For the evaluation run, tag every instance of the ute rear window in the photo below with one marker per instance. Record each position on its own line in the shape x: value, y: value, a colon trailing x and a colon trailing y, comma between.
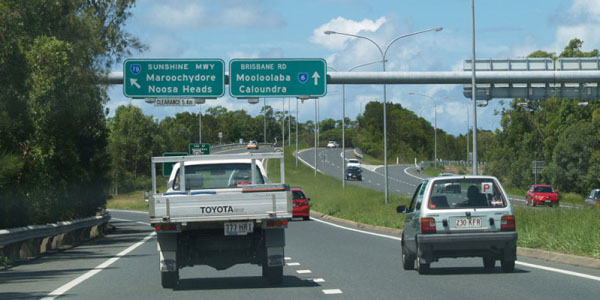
x: 466, y: 193
x: 298, y: 195
x: 217, y: 176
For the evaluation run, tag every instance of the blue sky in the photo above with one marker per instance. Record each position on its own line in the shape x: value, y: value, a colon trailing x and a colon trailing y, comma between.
x: 230, y: 29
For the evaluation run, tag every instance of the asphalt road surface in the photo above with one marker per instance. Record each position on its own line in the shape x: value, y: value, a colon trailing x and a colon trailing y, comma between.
x: 324, y: 260
x: 402, y: 179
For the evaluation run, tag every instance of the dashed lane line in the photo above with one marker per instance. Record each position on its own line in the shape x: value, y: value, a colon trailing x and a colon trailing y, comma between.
x: 303, y: 271
x: 65, y: 288
x: 332, y: 292
x: 292, y: 264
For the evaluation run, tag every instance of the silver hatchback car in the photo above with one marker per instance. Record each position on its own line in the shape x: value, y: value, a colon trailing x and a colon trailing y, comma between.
x: 459, y: 216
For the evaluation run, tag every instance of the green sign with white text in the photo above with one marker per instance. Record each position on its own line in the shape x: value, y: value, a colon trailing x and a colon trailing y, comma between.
x: 252, y: 78
x: 168, y: 167
x: 199, y: 149
x: 174, y: 78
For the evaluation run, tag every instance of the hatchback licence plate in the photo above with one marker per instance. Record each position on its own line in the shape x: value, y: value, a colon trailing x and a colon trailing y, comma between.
x: 238, y: 228
x: 467, y: 223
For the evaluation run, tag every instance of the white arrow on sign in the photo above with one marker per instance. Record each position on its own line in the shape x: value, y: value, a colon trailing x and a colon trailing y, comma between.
x: 134, y: 82
x: 316, y: 77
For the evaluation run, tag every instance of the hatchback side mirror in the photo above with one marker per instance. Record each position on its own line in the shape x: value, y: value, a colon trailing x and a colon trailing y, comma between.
x: 401, y: 209
x: 308, y: 199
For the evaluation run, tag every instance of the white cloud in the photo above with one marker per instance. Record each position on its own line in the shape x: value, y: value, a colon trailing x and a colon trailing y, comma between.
x: 194, y: 15
x: 340, y: 24
x: 583, y: 22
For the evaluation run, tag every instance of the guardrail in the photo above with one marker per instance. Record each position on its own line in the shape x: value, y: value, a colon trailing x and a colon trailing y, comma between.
x: 23, y: 242
x: 423, y: 164
x: 358, y: 153
x: 233, y: 146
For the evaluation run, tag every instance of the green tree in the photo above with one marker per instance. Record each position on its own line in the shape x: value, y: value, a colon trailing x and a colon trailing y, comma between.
x: 53, y: 129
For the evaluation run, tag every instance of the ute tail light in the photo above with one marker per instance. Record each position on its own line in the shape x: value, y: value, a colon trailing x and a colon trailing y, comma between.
x: 166, y: 227
x: 507, y: 223
x: 428, y: 225
x: 276, y: 223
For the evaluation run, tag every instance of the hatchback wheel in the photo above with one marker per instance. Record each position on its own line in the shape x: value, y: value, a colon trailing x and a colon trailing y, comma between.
x: 421, y: 267
x: 408, y: 261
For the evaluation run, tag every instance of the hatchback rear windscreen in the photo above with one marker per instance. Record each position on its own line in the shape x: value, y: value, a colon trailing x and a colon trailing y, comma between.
x: 466, y: 193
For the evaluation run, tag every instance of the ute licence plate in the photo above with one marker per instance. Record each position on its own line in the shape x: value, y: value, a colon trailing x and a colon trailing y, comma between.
x: 238, y: 228
x: 467, y: 223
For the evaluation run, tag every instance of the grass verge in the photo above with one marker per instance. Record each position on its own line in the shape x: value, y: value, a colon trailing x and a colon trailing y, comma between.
x: 573, y: 231
x: 135, y: 200
x: 130, y: 201
x: 328, y: 197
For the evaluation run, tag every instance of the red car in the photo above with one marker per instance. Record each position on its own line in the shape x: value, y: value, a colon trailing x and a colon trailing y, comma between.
x: 301, y: 208
x: 541, y: 194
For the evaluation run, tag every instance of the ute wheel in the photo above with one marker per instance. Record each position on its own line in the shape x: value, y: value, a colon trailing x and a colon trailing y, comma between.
x: 532, y: 203
x: 408, y: 261
x: 306, y: 218
x: 274, y: 275
x: 489, y: 263
x: 508, y: 266
x: 169, y: 279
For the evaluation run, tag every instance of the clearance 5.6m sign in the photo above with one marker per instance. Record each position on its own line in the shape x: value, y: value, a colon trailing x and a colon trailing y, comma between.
x: 174, y: 78
x: 251, y: 78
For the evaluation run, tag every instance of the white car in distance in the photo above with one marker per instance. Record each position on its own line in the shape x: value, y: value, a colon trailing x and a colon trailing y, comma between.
x: 353, y: 163
x: 332, y: 144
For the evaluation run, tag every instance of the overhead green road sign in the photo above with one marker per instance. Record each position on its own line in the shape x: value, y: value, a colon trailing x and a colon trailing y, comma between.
x: 168, y: 167
x: 174, y: 78
x: 199, y: 149
x: 251, y: 78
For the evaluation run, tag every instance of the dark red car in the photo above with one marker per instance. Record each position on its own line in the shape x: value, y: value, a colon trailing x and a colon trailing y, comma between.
x: 300, y: 202
x: 541, y: 194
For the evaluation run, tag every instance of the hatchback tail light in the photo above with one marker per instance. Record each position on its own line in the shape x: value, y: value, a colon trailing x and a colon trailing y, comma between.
x: 428, y: 225
x: 507, y: 223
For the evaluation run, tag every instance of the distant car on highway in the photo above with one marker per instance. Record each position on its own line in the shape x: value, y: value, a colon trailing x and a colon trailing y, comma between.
x: 542, y: 194
x: 301, y: 204
x: 353, y: 173
x: 477, y: 222
x: 332, y: 144
x: 593, y: 198
x: 353, y: 163
x: 252, y: 145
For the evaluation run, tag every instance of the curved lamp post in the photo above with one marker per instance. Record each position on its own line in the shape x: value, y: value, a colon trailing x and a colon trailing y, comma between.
x: 383, y: 54
x: 344, y: 119
x: 435, y: 122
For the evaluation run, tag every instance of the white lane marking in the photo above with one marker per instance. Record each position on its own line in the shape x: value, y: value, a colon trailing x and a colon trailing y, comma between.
x: 288, y: 258
x: 128, y: 211
x: 122, y: 220
x: 597, y: 278
x: 143, y: 223
x: 357, y: 230
x: 303, y: 271
x: 317, y: 280
x: 292, y: 264
x: 306, y: 163
x: 406, y: 172
x: 332, y: 291
x: 587, y: 276
x: 63, y: 289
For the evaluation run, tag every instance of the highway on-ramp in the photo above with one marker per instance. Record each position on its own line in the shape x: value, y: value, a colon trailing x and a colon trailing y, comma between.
x: 324, y: 260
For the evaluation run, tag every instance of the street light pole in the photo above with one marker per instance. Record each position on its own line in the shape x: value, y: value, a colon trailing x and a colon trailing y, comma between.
x: 283, y: 124
x: 474, y: 91
x: 435, y: 123
x: 296, y: 132
x: 289, y: 122
x: 316, y: 137
x: 265, y: 119
x: 468, y: 122
x: 383, y: 54
x: 344, y: 121
x: 200, y: 125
